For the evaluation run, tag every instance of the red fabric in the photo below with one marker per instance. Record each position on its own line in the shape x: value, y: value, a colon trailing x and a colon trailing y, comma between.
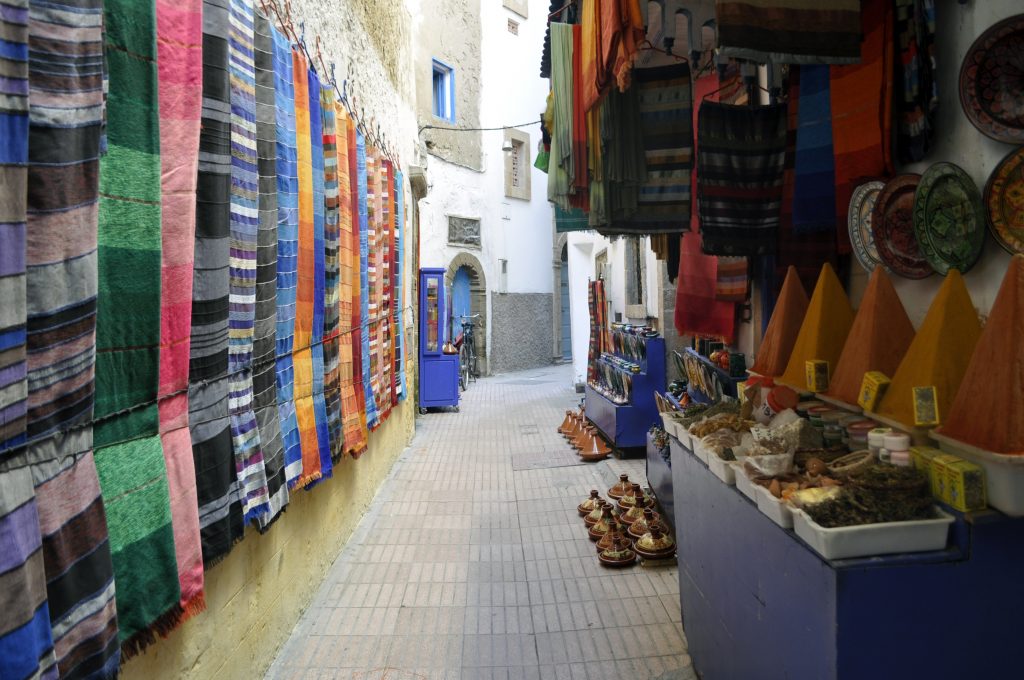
x: 698, y: 311
x: 862, y: 111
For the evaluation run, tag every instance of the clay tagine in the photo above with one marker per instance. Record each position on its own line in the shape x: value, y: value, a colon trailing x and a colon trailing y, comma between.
x: 655, y: 544
x: 620, y: 489
x: 608, y: 540
x: 640, y: 527
x: 582, y: 441
x: 575, y: 423
x: 588, y: 505
x: 595, y: 515
x: 620, y: 554
x: 635, y: 513
x: 566, y: 424
x: 598, y: 450
x: 603, y: 525
x: 635, y: 496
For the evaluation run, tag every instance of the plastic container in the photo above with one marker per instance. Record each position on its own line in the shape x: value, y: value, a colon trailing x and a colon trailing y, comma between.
x: 720, y: 468
x: 900, y: 458
x: 876, y: 440
x: 774, y: 509
x: 804, y: 406
x: 866, y: 540
x: 746, y: 485
x: 897, y: 441
x: 1004, y: 475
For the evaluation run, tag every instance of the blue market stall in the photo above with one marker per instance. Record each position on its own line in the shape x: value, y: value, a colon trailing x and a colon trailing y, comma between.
x: 439, y: 372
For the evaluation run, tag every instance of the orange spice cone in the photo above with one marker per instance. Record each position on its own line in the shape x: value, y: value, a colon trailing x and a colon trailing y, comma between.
x: 878, y: 340
x: 988, y: 411
x: 823, y: 331
x: 783, y: 327
x: 938, y: 355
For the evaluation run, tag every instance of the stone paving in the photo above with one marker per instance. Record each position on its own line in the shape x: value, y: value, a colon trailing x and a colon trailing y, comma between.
x: 472, y: 563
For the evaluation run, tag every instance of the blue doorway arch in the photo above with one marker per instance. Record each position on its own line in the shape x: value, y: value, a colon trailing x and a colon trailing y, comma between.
x: 461, y: 304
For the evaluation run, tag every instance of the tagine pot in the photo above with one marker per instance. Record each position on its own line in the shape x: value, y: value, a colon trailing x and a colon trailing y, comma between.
x: 655, y: 544
x: 619, y: 490
x: 588, y: 505
x: 635, y: 496
x: 620, y: 554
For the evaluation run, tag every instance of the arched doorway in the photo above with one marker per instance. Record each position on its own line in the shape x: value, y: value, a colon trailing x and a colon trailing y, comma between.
x: 465, y: 280
x: 566, y: 320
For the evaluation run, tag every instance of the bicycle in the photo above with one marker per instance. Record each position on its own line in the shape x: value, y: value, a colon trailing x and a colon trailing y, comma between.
x: 468, y: 367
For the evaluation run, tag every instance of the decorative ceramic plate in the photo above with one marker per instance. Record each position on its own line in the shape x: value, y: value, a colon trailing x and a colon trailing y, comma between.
x: 1004, y: 202
x: 859, y: 224
x: 892, y: 225
x: 949, y: 221
x: 992, y: 81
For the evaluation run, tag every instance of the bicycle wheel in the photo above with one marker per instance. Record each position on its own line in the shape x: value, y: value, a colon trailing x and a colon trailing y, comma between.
x: 464, y: 367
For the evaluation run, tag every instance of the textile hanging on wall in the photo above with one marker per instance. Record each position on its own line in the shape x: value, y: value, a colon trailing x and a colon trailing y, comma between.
x: 63, y: 202
x: 862, y: 113
x: 244, y: 224
x: 264, y: 340
x: 306, y: 279
x: 790, y: 31
x: 917, y: 97
x: 129, y: 456
x: 362, y: 164
x: 398, y: 301
x: 814, y: 189
x: 623, y: 162
x: 316, y: 137
x: 372, y: 345
x: 220, y: 510
x: 698, y: 311
x: 560, y: 169
x: 287, y: 253
x: 14, y: 89
x: 612, y: 32
x: 348, y: 278
x: 356, y: 432
x: 180, y: 66
x: 740, y: 158
x: 332, y: 273
x: 731, y: 279
x: 385, y: 252
x: 570, y: 220
x: 578, y: 176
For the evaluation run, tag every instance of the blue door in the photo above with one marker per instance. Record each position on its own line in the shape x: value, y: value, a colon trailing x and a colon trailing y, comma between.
x: 460, y: 300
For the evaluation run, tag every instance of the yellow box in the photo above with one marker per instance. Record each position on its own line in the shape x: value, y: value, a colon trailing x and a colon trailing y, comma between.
x: 817, y: 375
x: 939, y: 479
x: 922, y: 457
x: 965, y: 485
x: 872, y: 389
x: 926, y: 407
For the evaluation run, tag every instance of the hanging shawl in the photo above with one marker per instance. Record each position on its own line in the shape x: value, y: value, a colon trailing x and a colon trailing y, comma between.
x: 245, y: 434
x: 385, y: 249
x: 180, y: 63
x: 398, y: 302
x: 263, y: 379
x: 561, y: 171
x: 861, y: 113
x: 578, y: 175
x: 287, y: 253
x: 357, y: 189
x: 698, y: 311
x: 740, y: 160
x: 129, y: 456
x: 790, y: 31
x: 332, y: 273
x: 917, y: 97
x: 362, y: 178
x: 612, y: 32
x: 814, y: 190
x: 220, y: 510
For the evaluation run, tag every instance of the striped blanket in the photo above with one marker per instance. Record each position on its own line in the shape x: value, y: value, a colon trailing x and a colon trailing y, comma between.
x: 129, y: 456
x: 363, y: 177
x: 356, y: 432
x: 346, y: 258
x: 398, y: 297
x: 287, y: 253
x: 790, y: 31
x: 814, y: 181
x: 220, y: 512
x: 180, y: 64
x: 244, y: 225
x: 372, y: 343
x: 332, y: 272
x: 13, y: 193
x: 264, y: 341
x: 741, y: 152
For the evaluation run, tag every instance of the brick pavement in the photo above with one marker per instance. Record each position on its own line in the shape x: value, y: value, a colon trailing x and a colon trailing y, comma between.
x: 472, y: 563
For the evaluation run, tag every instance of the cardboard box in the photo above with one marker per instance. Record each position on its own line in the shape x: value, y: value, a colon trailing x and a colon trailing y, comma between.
x: 926, y: 407
x: 938, y: 476
x: 817, y: 375
x: 965, y: 485
x: 872, y: 389
x: 922, y: 457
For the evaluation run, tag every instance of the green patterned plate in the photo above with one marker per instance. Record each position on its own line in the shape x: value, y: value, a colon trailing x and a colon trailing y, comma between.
x: 949, y: 220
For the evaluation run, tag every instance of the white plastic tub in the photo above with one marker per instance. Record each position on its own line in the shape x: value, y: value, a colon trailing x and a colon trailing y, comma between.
x: 774, y: 509
x: 699, y: 450
x: 744, y: 484
x: 873, y: 539
x: 1004, y: 475
x: 721, y: 468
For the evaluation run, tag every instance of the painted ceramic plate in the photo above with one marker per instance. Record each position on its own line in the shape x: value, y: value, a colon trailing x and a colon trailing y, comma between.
x: 1004, y: 202
x: 892, y: 224
x: 949, y: 220
x: 992, y: 81
x: 859, y: 224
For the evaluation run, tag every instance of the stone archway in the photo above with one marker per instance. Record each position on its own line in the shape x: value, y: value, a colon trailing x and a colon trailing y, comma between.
x: 559, y: 245
x: 477, y: 299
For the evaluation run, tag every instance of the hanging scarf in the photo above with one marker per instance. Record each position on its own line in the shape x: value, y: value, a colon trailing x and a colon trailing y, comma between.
x: 357, y: 184
x: 180, y: 64
x: 561, y: 171
x: 917, y: 97
x: 332, y: 273
x: 348, y: 277
x: 814, y: 190
x: 268, y: 418
x: 129, y: 456
x: 220, y: 510
x: 385, y: 250
x: 399, y: 295
x: 287, y: 253
x: 790, y: 31
x: 698, y: 311
x: 364, y: 164
x: 578, y: 174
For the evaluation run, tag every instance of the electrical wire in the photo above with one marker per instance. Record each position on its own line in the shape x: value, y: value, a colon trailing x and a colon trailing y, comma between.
x: 486, y: 129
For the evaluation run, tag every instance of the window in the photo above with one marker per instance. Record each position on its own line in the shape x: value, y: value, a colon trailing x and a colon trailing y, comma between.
x: 513, y: 27
x: 444, y: 91
x: 517, y: 165
x: 464, y: 231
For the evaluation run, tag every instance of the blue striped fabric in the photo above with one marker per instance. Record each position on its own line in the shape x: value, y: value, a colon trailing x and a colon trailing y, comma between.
x: 245, y: 435
x: 398, y: 302
x: 316, y: 133
x: 364, y: 297
x: 814, y: 189
x: 287, y: 252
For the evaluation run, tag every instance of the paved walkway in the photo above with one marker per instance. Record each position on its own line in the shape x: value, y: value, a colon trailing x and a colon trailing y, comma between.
x: 472, y: 563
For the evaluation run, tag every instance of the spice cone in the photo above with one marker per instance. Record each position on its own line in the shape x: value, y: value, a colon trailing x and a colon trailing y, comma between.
x: 988, y: 411
x: 938, y: 355
x: 824, y: 330
x: 782, y: 328
x: 878, y: 340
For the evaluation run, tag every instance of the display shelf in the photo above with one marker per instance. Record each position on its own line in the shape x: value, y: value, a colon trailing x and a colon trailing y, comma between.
x: 701, y: 386
x: 659, y: 477
x: 626, y: 424
x: 748, y: 584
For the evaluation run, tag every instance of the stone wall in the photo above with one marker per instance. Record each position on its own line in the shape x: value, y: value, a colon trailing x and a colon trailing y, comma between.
x: 520, y: 331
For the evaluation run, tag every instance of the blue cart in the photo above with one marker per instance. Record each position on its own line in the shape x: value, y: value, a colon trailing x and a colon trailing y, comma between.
x: 439, y: 372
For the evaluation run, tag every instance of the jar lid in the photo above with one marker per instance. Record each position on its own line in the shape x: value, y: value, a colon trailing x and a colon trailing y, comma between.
x: 861, y: 427
x: 876, y: 437
x: 818, y: 410
x: 833, y: 416
x: 897, y: 441
x: 805, y: 406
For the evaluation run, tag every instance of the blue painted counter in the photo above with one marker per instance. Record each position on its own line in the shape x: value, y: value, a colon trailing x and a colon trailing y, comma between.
x: 659, y: 478
x: 758, y: 604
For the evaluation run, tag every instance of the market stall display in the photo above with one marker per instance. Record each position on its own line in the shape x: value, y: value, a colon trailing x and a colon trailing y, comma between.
x: 992, y: 79
x: 949, y: 221
x: 892, y: 225
x: 1004, y: 202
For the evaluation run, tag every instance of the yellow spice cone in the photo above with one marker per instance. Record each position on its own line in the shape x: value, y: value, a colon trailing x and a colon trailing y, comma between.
x: 988, y: 411
x: 782, y: 328
x: 938, y: 355
x: 878, y: 339
x: 824, y: 330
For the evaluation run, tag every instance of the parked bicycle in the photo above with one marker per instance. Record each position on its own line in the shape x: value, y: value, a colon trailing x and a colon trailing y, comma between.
x: 468, y: 367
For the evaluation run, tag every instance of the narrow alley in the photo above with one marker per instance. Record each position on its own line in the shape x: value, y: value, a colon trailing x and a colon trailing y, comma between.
x: 473, y: 563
